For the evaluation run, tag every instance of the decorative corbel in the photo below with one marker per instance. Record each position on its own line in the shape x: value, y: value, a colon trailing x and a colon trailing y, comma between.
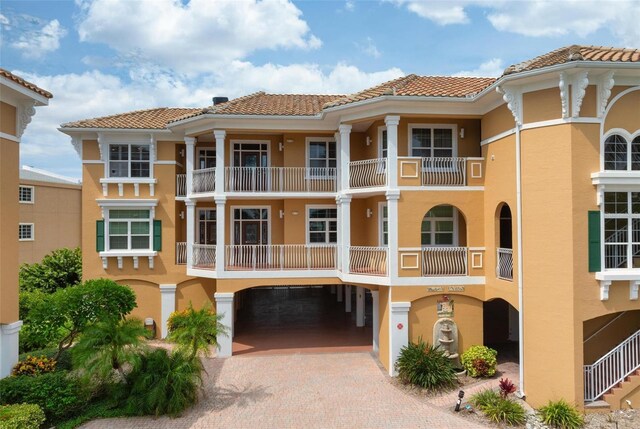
x: 563, y: 85
x: 119, y: 262
x: 604, y: 289
x: 135, y: 262
x: 26, y: 111
x: 151, y: 262
x: 578, y: 88
x: 105, y: 262
x: 633, y: 289
x: 512, y: 98
x: 604, y: 92
x: 600, y: 195
x: 101, y: 146
x: 77, y: 145
x: 152, y: 148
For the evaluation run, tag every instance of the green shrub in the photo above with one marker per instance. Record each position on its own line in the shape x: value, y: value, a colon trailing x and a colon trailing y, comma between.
x: 505, y: 411
x: 63, y: 363
x: 59, y: 269
x: 21, y: 416
x: 195, y: 330
x: 58, y: 394
x: 34, y: 365
x: 163, y: 383
x: 560, y: 414
x: 425, y: 366
x: 484, y: 398
x: 479, y: 361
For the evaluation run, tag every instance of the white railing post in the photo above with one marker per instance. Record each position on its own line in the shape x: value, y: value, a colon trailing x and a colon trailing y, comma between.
x: 190, y: 144
x: 220, y: 232
x: 191, y: 230
x: 220, y: 164
x: 392, y: 149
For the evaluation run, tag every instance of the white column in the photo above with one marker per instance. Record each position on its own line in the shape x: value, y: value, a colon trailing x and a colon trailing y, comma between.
x: 393, y: 195
x: 399, y: 332
x: 220, y: 157
x: 339, y: 293
x: 359, y: 306
x: 375, y: 319
x: 224, y: 307
x: 341, y: 248
x: 191, y: 230
x: 167, y: 306
x: 190, y: 144
x: 392, y: 149
x: 345, y: 155
x: 9, y: 347
x: 345, y: 223
x: 347, y: 298
x: 220, y: 231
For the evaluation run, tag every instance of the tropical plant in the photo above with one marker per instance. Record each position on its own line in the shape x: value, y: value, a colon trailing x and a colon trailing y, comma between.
x: 480, y: 361
x: 59, y: 269
x: 163, y: 383
x: 194, y: 331
x: 425, y: 366
x: 506, y: 387
x: 560, y: 414
x: 505, y: 411
x: 67, y: 312
x: 63, y: 363
x: 21, y: 416
x: 109, y: 345
x: 484, y: 398
x: 33, y: 365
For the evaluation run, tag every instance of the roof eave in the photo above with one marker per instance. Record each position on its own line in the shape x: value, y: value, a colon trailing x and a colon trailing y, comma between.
x: 68, y: 130
x: 205, y: 116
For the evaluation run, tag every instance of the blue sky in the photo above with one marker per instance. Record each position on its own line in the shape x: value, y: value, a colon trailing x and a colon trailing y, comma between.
x: 101, y: 57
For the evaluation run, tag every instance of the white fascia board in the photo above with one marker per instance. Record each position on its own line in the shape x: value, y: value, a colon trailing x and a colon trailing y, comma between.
x: 126, y: 202
x: 25, y: 92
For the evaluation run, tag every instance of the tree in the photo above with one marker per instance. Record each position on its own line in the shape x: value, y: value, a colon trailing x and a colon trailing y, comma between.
x: 195, y: 331
x: 59, y: 269
x: 108, y: 345
x: 67, y: 312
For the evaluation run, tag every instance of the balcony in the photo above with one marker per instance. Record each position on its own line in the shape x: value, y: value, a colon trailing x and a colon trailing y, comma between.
x: 280, y: 257
x: 370, y: 173
x: 204, y: 180
x: 204, y: 256
x: 371, y: 261
x: 181, y: 185
x: 443, y: 172
x: 280, y: 179
x: 504, y: 266
x: 181, y: 253
x: 444, y: 261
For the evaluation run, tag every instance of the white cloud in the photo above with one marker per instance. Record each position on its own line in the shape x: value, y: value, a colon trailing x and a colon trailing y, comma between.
x: 4, y: 20
x: 491, y: 68
x: 195, y: 36
x: 35, y: 44
x: 440, y: 12
x: 369, y: 48
x: 350, y: 5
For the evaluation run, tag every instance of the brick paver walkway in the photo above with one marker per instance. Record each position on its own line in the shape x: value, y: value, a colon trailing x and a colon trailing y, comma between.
x: 329, y: 390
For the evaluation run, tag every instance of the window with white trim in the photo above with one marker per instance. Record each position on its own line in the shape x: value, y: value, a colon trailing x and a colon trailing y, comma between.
x: 321, y: 157
x: 432, y: 141
x: 25, y: 232
x: 620, y: 154
x: 439, y: 227
x: 25, y: 194
x: 322, y: 225
x: 621, y: 230
x: 207, y: 226
x: 384, y: 225
x: 129, y: 160
x: 207, y: 158
x: 382, y: 147
x: 129, y: 229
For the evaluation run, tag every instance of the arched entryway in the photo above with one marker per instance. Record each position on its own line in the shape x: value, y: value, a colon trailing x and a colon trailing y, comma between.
x: 501, y: 328
x: 298, y: 319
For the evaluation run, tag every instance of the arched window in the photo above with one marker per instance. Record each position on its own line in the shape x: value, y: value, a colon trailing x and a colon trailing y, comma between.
x: 505, y: 227
x: 439, y: 227
x: 615, y: 153
x: 635, y: 154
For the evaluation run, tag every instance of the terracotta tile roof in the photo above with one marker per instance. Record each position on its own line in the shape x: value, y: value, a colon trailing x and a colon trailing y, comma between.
x: 20, y: 81
x: 577, y: 53
x: 150, y: 119
x: 422, y: 86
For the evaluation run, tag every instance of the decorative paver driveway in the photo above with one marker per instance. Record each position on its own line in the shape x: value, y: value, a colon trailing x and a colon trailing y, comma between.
x: 330, y: 390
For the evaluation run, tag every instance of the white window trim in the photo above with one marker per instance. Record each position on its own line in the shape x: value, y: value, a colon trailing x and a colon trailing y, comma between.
x: 33, y: 194
x: 240, y: 141
x: 456, y: 243
x: 308, y: 208
x: 381, y: 129
x: 381, y: 206
x: 33, y: 232
x: 107, y: 241
x: 629, y: 216
x: 107, y: 163
x: 454, y: 136
x: 233, y: 220
x: 629, y: 137
x: 205, y: 148
x: 198, y: 220
x: 308, y: 141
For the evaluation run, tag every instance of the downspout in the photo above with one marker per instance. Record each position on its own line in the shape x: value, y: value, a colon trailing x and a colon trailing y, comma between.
x: 520, y: 393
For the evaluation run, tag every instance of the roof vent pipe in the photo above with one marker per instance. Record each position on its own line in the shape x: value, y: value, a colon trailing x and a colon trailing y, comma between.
x: 219, y: 100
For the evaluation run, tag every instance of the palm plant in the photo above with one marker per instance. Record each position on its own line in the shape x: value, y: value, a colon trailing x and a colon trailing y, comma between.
x: 108, y: 346
x: 194, y: 331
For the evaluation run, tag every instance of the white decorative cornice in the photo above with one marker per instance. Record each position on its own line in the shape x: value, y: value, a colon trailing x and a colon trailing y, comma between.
x: 578, y: 89
x: 511, y: 96
x: 152, y: 148
x: 190, y: 141
x: 219, y: 134
x: 391, y: 120
x: 102, y: 147
x: 344, y: 129
x: 604, y: 92
x: 77, y: 145
x: 563, y: 85
x: 26, y: 111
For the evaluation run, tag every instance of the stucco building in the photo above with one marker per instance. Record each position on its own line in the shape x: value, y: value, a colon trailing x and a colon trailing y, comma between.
x: 50, y: 213
x: 502, y: 208
x: 18, y: 99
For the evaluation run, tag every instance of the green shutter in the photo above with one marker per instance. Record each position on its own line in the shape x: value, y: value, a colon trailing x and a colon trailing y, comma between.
x: 157, y: 235
x: 99, y: 236
x: 595, y: 248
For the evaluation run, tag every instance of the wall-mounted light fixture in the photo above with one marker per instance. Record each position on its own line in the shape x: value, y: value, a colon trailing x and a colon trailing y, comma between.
x: 182, y: 214
x: 368, y: 141
x: 369, y: 212
x: 295, y: 213
x: 281, y: 214
x: 181, y: 153
x: 280, y: 146
x: 461, y: 133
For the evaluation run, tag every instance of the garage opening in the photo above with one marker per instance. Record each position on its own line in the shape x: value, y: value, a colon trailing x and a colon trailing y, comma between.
x: 302, y: 319
x: 501, y: 329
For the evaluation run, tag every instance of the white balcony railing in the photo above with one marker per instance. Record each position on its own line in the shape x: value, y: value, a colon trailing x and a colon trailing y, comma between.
x: 612, y: 368
x: 204, y: 180
x: 181, y: 185
x: 444, y: 261
x: 280, y: 179
x: 368, y: 173
x: 280, y: 257
x: 372, y: 261
x: 444, y: 171
x: 204, y: 256
x: 504, y: 265
x: 181, y: 253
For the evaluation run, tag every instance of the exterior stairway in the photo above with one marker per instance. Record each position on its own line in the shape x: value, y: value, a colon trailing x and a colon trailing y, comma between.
x: 627, y: 390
